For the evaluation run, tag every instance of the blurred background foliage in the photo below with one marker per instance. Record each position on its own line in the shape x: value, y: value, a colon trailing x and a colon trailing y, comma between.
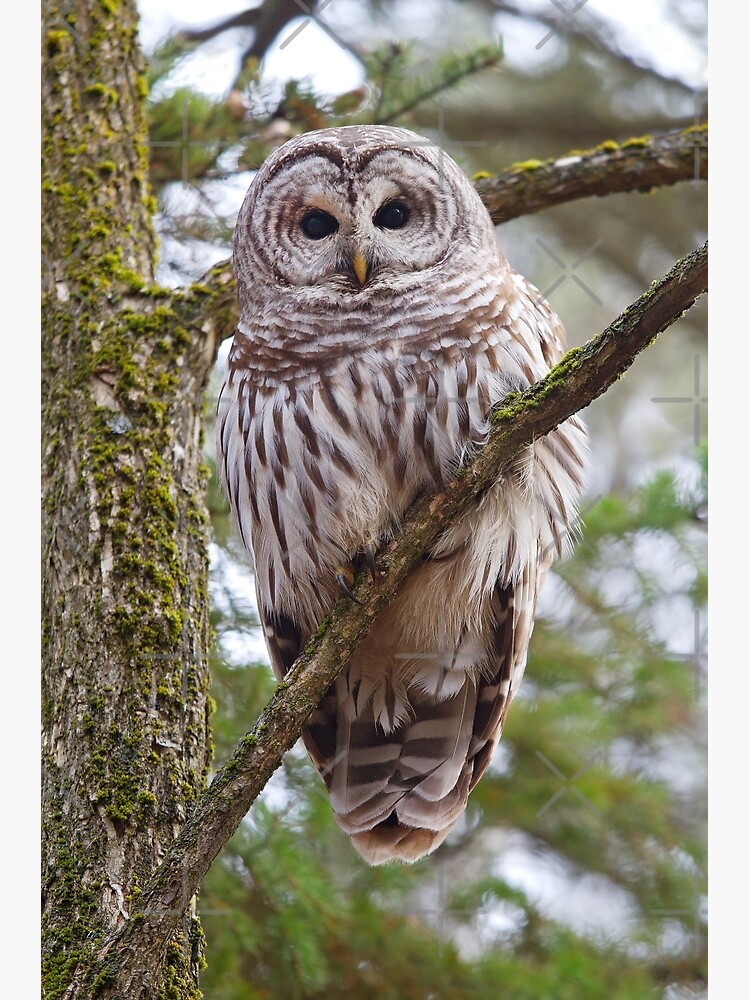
x: 579, y: 868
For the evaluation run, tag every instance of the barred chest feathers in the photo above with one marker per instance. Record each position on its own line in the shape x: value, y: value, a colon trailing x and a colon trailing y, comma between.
x: 319, y: 464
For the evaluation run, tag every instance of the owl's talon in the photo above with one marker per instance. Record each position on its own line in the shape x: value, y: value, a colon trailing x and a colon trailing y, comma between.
x: 369, y: 553
x: 345, y: 580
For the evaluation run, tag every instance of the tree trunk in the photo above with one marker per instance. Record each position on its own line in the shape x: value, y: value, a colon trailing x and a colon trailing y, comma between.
x: 125, y: 604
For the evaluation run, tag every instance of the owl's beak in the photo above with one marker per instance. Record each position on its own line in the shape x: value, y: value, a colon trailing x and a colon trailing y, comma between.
x: 355, y: 267
x: 359, y: 266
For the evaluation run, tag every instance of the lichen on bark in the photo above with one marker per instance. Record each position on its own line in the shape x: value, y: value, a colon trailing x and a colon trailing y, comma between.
x: 125, y: 597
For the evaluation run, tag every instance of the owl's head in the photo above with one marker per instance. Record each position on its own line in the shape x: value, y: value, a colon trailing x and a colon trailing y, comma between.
x: 342, y: 214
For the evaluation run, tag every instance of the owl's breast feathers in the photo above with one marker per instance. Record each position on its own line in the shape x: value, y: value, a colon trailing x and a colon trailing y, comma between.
x: 322, y: 455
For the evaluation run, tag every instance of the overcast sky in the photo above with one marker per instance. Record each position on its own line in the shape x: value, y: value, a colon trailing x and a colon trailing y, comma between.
x: 642, y: 29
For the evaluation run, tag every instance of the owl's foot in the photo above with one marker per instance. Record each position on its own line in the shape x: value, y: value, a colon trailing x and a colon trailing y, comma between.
x: 345, y: 580
x: 346, y: 574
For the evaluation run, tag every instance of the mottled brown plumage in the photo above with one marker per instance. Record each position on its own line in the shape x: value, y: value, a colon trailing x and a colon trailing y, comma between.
x: 380, y: 322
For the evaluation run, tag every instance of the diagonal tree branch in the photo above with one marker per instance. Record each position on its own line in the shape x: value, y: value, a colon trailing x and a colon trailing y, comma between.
x: 583, y: 375
x: 638, y: 164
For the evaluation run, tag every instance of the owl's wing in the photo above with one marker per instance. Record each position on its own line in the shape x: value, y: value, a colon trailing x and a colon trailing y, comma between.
x: 513, y: 609
x: 285, y: 642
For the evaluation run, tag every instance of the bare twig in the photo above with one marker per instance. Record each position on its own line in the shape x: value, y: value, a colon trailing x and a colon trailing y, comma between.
x: 268, y: 20
x: 593, y: 32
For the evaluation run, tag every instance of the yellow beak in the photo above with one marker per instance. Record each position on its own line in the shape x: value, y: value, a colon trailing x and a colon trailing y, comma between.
x: 359, y: 266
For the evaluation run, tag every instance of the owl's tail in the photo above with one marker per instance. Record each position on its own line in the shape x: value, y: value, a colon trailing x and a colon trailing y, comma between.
x: 401, y: 739
x: 399, y: 793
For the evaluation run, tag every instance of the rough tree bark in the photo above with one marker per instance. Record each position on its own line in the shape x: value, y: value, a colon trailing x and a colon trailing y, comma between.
x: 125, y: 602
x: 639, y: 164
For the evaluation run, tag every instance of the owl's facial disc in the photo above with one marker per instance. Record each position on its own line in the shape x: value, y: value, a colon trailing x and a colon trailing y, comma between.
x: 357, y: 227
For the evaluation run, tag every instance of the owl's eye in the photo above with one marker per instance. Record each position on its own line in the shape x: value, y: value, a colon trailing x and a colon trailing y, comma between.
x: 317, y: 225
x: 394, y: 215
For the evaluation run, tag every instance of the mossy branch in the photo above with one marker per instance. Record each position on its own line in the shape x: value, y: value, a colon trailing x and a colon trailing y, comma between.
x: 582, y: 375
x: 638, y: 164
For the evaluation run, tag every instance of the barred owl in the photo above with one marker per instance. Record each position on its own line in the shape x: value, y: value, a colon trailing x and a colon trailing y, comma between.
x: 380, y: 323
